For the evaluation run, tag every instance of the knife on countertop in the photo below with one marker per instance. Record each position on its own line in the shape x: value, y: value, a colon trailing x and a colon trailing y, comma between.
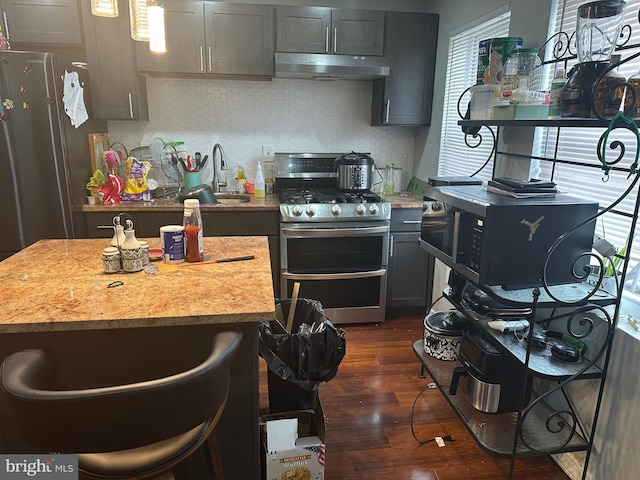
x: 219, y: 260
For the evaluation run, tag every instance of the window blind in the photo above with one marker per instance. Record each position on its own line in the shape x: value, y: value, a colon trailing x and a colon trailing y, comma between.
x: 580, y: 145
x: 456, y: 158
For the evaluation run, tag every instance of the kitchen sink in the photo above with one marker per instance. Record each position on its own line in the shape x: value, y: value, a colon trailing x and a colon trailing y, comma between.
x: 231, y: 198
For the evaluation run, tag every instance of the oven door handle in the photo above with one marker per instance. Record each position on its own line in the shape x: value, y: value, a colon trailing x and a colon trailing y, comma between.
x: 334, y: 232
x: 334, y: 276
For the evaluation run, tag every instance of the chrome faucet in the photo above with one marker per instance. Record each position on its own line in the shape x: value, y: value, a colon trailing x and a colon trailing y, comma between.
x: 223, y: 166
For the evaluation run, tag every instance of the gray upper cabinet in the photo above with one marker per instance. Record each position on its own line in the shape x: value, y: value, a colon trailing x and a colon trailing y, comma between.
x: 404, y: 97
x: 42, y: 21
x: 330, y: 30
x: 117, y: 91
x: 213, y: 38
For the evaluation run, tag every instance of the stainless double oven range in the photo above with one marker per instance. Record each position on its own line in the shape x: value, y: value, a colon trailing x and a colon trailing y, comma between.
x: 334, y: 242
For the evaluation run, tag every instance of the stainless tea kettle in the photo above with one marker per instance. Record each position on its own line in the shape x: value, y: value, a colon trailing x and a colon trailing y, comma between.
x: 355, y: 171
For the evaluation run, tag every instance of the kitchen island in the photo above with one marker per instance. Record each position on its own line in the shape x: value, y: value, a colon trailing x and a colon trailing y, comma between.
x: 56, y: 295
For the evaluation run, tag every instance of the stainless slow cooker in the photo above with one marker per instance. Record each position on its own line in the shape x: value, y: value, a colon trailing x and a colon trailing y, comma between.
x: 355, y: 171
x: 443, y: 334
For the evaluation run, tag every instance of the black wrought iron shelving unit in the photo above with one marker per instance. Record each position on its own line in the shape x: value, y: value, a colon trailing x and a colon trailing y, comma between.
x: 540, y: 426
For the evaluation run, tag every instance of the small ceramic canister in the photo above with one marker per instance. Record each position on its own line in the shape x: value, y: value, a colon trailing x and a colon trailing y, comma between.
x: 144, y: 246
x: 111, y: 260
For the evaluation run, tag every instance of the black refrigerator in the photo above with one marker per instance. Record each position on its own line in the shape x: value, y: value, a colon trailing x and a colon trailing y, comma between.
x: 44, y: 159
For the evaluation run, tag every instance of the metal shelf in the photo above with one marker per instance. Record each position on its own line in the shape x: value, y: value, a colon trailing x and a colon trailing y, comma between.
x: 495, y: 432
x: 565, y: 122
x: 541, y: 363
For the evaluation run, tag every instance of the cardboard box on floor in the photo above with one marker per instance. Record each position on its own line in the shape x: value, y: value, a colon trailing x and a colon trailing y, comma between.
x: 301, y: 435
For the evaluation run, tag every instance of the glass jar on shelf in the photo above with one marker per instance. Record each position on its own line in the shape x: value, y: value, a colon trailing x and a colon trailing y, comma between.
x: 522, y: 71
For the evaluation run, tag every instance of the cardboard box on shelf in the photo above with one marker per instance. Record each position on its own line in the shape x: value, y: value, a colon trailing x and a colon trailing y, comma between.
x: 294, y: 445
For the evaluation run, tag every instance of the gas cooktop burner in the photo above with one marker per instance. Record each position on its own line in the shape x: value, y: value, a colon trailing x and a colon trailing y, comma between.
x: 294, y: 196
x: 330, y: 205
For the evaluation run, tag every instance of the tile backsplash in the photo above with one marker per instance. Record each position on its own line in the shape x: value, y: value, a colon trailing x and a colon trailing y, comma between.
x: 292, y: 115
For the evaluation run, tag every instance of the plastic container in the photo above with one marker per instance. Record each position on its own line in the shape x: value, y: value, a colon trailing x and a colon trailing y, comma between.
x: 555, y: 96
x: 492, y: 55
x: 522, y: 71
x: 259, y: 186
x: 482, y: 97
x: 192, y: 223
x: 172, y: 243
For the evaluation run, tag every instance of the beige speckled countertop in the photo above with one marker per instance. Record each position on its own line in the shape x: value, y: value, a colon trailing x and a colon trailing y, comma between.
x: 404, y: 200
x: 269, y: 202
x: 58, y: 285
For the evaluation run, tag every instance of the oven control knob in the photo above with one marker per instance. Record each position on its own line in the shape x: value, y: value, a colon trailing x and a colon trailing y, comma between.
x: 373, y: 209
x: 311, y: 210
x: 335, y: 210
x: 360, y: 209
x: 296, y: 210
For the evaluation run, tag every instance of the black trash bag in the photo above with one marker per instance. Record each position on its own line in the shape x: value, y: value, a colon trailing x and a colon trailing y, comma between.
x: 304, y: 359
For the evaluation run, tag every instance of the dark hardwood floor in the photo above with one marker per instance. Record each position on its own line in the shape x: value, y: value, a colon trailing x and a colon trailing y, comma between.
x: 368, y: 408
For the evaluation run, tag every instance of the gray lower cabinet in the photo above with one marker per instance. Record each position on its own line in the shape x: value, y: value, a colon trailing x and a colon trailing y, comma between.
x: 42, y: 21
x: 330, y: 30
x: 117, y: 91
x: 405, y: 96
x: 213, y: 38
x: 409, y: 273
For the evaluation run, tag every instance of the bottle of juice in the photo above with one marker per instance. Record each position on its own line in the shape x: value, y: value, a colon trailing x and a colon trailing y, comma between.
x: 192, y: 222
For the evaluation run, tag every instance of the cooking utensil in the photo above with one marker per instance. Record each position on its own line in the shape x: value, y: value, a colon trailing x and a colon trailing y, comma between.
x: 202, y: 163
x: 202, y: 192
x: 443, y: 334
x: 355, y: 171
x: 220, y: 260
x: 480, y: 302
x: 292, y: 307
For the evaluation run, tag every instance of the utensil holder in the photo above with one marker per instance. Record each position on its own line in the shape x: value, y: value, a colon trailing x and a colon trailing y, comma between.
x: 191, y: 179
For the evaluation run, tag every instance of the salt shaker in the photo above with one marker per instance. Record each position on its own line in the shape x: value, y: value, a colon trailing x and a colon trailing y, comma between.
x: 111, y: 260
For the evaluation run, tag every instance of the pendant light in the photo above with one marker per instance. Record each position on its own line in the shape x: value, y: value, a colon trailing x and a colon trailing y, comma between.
x: 138, y: 17
x: 104, y: 8
x: 155, y: 17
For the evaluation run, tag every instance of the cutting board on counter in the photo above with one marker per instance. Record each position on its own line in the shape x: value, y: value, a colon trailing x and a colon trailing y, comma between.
x: 416, y: 186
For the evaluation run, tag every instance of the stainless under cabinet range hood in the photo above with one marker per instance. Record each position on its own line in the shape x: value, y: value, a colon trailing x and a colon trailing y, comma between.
x: 320, y: 66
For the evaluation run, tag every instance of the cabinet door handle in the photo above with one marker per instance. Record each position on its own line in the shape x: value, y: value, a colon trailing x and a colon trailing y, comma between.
x: 6, y: 25
x: 130, y: 106
x: 335, y: 39
x: 201, y: 60
x: 390, y: 246
x: 326, y: 40
x: 209, y: 58
x: 386, y: 119
x: 411, y: 221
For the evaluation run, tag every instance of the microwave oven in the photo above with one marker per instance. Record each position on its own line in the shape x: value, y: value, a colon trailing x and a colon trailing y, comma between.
x: 498, y: 240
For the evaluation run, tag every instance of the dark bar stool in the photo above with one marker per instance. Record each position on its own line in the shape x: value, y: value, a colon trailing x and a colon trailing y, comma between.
x: 135, y: 430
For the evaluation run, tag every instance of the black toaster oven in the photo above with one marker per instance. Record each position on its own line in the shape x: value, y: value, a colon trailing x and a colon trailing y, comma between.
x: 497, y: 240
